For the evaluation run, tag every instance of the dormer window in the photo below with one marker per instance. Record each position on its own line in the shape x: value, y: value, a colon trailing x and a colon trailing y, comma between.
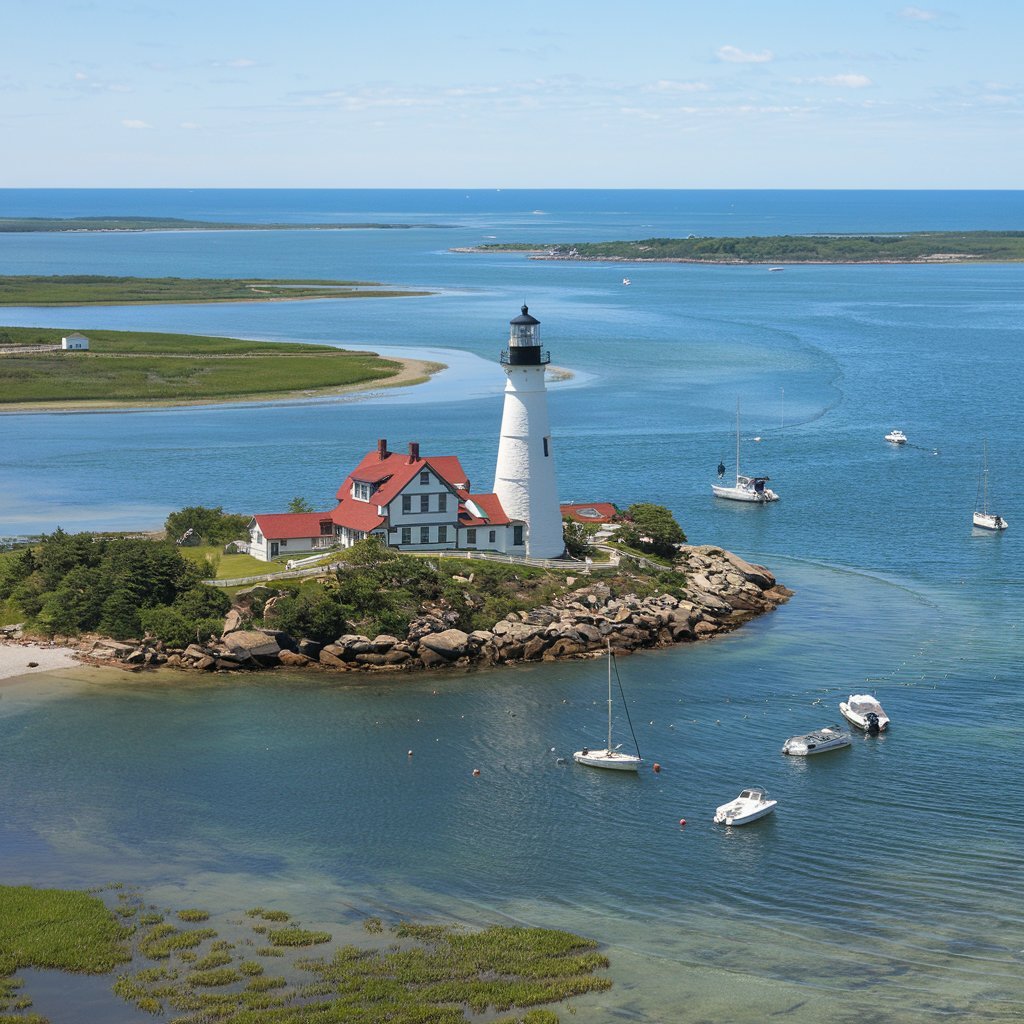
x: 361, y: 491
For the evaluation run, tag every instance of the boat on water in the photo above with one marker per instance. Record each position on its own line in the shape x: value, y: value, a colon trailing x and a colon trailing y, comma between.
x: 745, y: 488
x: 775, y: 270
x: 864, y: 711
x: 984, y: 519
x: 751, y: 804
x: 831, y: 737
x: 626, y: 280
x: 611, y: 756
x: 896, y: 437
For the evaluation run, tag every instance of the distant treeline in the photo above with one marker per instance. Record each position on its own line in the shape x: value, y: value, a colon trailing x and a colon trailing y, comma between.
x: 929, y: 247
x: 22, y: 224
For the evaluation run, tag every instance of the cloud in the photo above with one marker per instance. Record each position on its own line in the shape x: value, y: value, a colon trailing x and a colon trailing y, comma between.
x: 734, y: 55
x: 917, y: 14
x: 81, y: 76
x: 843, y: 81
x: 129, y: 122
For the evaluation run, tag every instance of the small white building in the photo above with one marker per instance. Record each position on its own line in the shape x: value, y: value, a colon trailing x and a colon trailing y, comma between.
x: 290, y: 533
x: 75, y: 343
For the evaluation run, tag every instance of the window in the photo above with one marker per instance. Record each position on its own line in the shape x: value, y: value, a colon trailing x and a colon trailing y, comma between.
x: 326, y: 528
x: 406, y: 502
x: 442, y: 534
x: 284, y: 543
x: 546, y: 452
x: 424, y: 534
x: 517, y: 536
x: 492, y: 536
x: 442, y: 503
x: 424, y: 502
x: 425, y: 477
x: 361, y: 492
x: 471, y: 535
x: 406, y: 534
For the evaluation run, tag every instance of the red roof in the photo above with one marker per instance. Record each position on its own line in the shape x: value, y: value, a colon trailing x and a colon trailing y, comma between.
x: 285, y: 525
x: 488, y: 504
x: 594, y: 512
x: 394, y: 471
x: 357, y: 515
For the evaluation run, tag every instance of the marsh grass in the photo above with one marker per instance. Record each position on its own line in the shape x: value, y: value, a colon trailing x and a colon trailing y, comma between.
x: 268, y: 915
x: 296, y: 937
x: 193, y: 915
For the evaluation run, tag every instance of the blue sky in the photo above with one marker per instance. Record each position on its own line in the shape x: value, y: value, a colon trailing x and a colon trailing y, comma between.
x: 723, y: 94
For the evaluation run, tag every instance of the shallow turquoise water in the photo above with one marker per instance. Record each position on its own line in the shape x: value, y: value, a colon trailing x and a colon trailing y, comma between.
x: 887, y: 877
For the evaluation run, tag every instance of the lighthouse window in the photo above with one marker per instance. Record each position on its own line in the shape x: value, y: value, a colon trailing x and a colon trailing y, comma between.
x: 546, y: 452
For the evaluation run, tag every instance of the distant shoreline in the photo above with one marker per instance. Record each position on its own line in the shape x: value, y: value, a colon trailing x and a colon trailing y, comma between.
x: 31, y: 225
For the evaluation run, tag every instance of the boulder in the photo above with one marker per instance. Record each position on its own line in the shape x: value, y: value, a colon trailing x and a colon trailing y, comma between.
x: 232, y: 621
x: 309, y: 648
x: 331, y: 660
x: 431, y: 659
x: 383, y: 643
x: 284, y: 640
x: 254, y: 642
x: 449, y: 644
x: 293, y: 659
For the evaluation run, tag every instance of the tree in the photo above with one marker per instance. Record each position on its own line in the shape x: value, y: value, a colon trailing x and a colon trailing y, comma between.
x: 213, y: 525
x: 651, y: 528
x: 578, y: 537
x: 312, y: 614
x: 300, y: 505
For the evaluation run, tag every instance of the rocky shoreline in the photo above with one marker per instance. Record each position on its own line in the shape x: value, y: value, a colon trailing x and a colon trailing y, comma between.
x: 722, y: 592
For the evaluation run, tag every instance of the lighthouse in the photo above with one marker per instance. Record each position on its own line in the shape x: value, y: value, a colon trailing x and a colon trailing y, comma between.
x: 524, y: 479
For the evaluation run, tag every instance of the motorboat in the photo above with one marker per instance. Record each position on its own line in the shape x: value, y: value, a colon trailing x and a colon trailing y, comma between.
x: 831, y: 737
x: 745, y: 488
x: 611, y: 756
x: 626, y: 280
x: 896, y: 437
x: 864, y: 711
x: 775, y: 270
x: 984, y: 519
x: 751, y: 804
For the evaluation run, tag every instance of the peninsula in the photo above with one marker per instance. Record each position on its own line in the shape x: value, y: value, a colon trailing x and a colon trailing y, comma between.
x: 125, y: 369
x: 37, y: 224
x: 102, y: 290
x: 913, y: 247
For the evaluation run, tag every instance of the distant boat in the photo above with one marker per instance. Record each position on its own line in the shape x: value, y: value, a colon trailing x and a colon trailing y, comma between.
x: 896, y: 437
x: 626, y: 280
x: 610, y: 757
x: 775, y: 270
x: 984, y: 519
x: 746, y: 488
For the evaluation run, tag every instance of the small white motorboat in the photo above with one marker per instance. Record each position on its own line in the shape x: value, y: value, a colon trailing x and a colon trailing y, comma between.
x: 832, y: 737
x: 896, y: 437
x: 626, y: 281
x: 751, y: 804
x: 864, y: 711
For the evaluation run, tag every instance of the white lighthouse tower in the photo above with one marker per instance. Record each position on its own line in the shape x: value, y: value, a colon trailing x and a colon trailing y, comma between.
x: 524, y: 479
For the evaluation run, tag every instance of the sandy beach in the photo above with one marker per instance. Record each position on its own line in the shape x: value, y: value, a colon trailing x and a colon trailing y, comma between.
x: 21, y: 659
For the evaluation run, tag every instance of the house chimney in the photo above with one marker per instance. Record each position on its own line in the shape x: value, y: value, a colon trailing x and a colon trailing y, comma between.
x: 414, y: 451
x: 382, y: 449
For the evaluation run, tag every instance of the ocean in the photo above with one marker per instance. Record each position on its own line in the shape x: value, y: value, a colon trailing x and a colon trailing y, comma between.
x: 884, y: 887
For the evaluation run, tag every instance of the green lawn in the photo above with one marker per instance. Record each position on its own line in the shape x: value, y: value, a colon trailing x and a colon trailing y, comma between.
x: 230, y: 567
x: 124, y: 366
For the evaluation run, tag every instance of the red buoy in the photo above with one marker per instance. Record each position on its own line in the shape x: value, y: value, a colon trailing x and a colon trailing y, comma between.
x: 682, y: 822
x: 656, y: 767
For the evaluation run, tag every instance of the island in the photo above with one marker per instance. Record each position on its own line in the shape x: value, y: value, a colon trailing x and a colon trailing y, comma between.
x: 911, y: 247
x: 102, y: 290
x: 124, y: 369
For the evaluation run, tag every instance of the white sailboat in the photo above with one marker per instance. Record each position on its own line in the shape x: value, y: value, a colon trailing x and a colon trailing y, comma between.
x: 746, y: 488
x: 610, y: 757
x: 984, y: 519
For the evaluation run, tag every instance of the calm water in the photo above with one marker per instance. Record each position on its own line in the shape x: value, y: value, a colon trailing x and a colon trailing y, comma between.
x: 889, y: 877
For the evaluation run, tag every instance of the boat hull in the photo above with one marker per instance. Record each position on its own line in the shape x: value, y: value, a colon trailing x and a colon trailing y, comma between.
x: 989, y: 521
x: 723, y: 817
x: 820, y: 742
x: 744, y: 494
x: 860, y: 721
x: 613, y: 759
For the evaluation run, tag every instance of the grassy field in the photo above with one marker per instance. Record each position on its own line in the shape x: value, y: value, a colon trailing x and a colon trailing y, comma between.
x: 231, y: 567
x: 127, y: 367
x: 93, y: 290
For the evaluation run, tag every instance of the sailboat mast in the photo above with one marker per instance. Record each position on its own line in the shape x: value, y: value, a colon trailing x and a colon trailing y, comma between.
x: 984, y: 478
x: 737, y: 442
x: 609, y: 747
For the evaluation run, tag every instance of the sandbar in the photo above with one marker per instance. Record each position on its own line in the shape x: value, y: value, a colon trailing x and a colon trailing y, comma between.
x: 20, y: 658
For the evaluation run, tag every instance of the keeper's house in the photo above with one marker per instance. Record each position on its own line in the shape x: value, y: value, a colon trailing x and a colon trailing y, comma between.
x: 411, y: 502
